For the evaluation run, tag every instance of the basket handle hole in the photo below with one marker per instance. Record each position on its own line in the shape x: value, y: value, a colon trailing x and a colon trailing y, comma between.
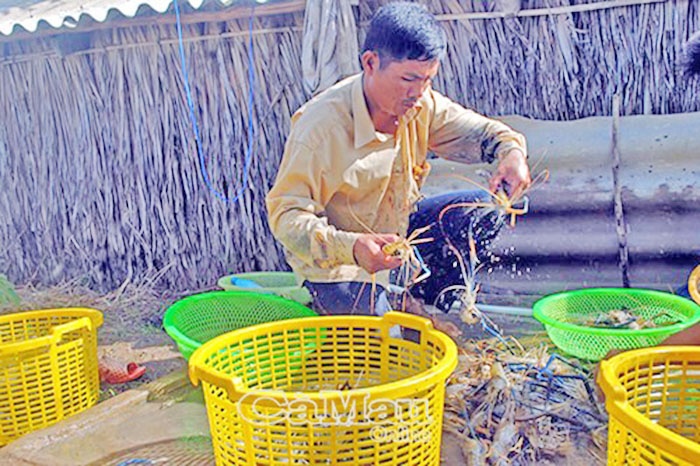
x: 411, y: 334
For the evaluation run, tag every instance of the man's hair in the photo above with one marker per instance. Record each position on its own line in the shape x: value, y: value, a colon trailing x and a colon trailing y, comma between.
x: 691, y: 55
x: 405, y: 31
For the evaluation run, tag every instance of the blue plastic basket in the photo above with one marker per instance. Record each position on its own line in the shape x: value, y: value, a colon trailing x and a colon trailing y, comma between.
x: 282, y: 284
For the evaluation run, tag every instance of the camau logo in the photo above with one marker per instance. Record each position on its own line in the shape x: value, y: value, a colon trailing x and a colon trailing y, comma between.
x: 387, y: 420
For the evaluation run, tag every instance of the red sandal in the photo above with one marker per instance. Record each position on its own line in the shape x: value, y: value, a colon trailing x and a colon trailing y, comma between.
x: 113, y: 371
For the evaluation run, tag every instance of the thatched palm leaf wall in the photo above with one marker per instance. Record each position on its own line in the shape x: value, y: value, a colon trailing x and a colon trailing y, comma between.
x: 98, y: 165
x: 566, y: 66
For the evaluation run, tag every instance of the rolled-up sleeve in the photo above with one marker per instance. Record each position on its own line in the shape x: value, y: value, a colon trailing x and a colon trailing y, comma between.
x: 463, y: 135
x: 305, y: 184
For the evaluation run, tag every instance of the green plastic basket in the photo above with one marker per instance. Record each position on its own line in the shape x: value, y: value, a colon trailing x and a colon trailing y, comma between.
x: 197, y: 319
x: 561, y: 314
x: 279, y: 283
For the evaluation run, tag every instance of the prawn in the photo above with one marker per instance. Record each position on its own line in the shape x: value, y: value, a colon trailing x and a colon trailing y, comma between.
x: 403, y: 248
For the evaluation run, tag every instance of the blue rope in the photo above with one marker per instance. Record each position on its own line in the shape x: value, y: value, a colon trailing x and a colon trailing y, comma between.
x: 193, y: 118
x: 135, y: 461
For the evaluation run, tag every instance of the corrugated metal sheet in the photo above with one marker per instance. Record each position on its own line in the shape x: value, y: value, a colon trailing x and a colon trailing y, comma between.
x: 568, y: 239
x: 29, y: 15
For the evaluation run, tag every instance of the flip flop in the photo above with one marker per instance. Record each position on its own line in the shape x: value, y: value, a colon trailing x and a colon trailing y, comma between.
x: 114, y: 372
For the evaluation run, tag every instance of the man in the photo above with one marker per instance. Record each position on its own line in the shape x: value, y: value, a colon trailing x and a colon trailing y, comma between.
x: 691, y: 56
x: 355, y: 161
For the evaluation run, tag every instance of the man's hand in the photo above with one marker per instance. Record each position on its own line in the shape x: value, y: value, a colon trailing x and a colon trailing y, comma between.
x: 687, y: 337
x: 512, y: 173
x: 369, y: 255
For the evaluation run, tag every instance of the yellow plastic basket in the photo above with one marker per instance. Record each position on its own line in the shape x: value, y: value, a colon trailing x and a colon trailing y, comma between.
x: 694, y: 284
x: 48, y: 368
x: 653, y: 398
x: 360, y: 397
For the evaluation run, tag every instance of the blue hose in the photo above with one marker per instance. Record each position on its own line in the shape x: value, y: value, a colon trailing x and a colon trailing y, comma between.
x: 193, y: 118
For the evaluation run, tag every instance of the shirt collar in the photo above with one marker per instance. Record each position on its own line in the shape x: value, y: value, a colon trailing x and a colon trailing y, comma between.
x: 364, y: 127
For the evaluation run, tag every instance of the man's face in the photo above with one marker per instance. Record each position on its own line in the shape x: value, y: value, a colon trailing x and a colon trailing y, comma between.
x: 395, y: 87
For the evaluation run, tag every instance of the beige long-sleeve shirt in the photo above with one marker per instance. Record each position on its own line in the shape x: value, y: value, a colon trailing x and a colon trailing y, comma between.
x: 339, y: 177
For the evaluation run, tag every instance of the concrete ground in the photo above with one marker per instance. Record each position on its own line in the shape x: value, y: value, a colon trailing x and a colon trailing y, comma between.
x: 163, y: 422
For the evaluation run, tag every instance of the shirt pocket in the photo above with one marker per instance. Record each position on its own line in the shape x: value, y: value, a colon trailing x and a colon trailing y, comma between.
x: 366, y: 182
x: 368, y: 177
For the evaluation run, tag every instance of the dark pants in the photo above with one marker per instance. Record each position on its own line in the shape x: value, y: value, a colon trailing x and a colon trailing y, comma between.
x: 348, y: 298
x: 457, y: 225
